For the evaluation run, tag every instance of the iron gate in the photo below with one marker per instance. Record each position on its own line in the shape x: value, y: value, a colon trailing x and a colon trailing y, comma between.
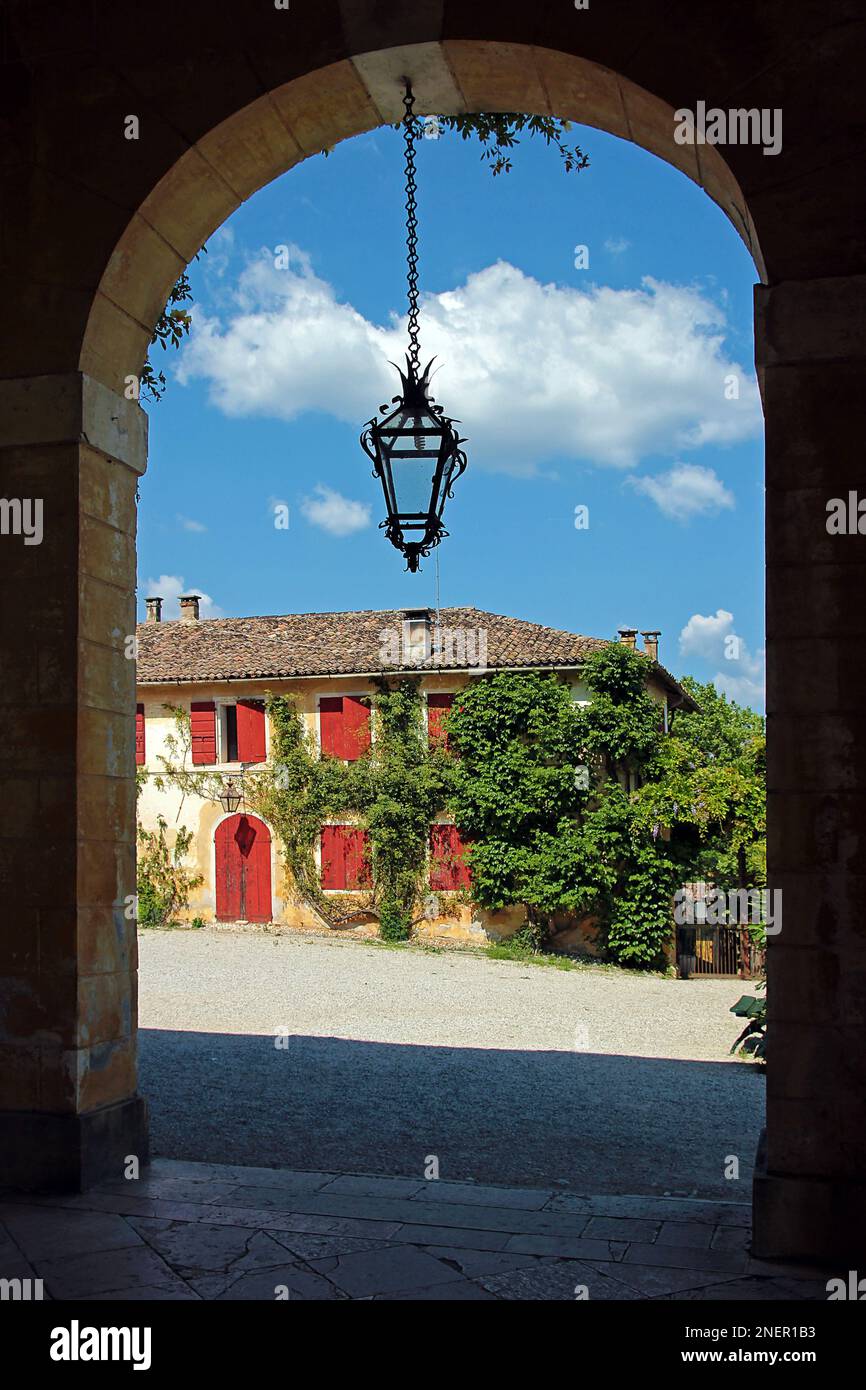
x: 723, y: 952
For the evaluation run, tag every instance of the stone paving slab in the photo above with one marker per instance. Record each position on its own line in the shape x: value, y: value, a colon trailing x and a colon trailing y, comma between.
x: 472, y: 1194
x: 359, y: 1185
x: 458, y: 1292
x: 684, y: 1257
x: 107, y: 1271
x: 386, y: 1271
x: 564, y: 1280
x: 205, y: 1231
x: 293, y: 1282
x: 655, y: 1208
x: 570, y: 1247
x: 468, y: 1239
x: 44, y: 1233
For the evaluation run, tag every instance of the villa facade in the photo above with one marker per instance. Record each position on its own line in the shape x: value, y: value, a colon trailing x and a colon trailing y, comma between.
x: 220, y: 671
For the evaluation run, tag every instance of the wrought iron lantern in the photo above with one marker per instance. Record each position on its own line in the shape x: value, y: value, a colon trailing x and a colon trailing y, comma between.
x: 232, y: 794
x: 415, y: 448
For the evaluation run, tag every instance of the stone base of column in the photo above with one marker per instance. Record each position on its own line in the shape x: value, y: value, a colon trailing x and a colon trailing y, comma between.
x: 70, y: 1153
x: 822, y: 1220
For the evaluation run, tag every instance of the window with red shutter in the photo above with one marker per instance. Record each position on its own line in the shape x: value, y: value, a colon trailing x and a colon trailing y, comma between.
x: 437, y: 708
x: 203, y: 729
x: 251, y: 731
x: 139, y: 735
x: 448, y: 869
x: 345, y: 860
x: 344, y: 723
x: 333, y: 857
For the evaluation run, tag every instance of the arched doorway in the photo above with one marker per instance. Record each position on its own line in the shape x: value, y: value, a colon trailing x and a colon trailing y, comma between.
x: 242, y: 847
x: 141, y: 203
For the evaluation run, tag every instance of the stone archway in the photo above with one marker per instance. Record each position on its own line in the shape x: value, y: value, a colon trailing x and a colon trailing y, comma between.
x: 241, y: 103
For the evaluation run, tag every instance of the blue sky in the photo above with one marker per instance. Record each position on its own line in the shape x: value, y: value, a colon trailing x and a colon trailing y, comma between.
x: 607, y: 387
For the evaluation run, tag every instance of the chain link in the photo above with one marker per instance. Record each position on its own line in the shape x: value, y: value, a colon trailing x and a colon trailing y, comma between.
x: 410, y: 131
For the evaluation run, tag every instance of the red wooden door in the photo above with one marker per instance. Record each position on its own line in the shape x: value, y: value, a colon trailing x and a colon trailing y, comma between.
x: 243, y: 870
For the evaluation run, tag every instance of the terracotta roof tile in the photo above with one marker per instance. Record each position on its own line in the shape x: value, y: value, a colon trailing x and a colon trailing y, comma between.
x: 313, y: 644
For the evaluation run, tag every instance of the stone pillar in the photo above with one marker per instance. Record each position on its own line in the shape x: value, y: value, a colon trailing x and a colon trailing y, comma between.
x: 810, y: 1187
x: 69, y: 1112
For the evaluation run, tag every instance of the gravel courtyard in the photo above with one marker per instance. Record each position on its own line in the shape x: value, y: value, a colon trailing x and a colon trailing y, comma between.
x: 587, y: 1080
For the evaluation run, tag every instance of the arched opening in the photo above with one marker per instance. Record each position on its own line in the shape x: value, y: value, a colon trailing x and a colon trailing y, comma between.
x: 73, y: 437
x: 164, y: 209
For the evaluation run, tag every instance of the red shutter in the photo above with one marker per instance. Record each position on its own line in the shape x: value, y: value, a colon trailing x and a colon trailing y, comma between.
x: 356, y: 726
x: 344, y: 721
x: 139, y: 735
x: 345, y: 864
x: 331, y: 726
x: 251, y: 731
x: 333, y: 857
x: 357, y: 867
x: 437, y: 707
x: 448, y: 869
x: 203, y: 726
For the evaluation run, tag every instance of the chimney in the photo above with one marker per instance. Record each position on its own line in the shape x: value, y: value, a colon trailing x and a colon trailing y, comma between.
x: 189, y: 608
x: 154, y: 610
x: 628, y: 636
x: 416, y: 635
x: 651, y: 644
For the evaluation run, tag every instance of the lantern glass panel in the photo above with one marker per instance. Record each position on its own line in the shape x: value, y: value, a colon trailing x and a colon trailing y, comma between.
x: 411, y: 441
x: 413, y: 484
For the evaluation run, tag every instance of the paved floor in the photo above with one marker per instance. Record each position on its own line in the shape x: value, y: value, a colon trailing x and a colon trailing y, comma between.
x: 205, y: 1231
x: 589, y: 1081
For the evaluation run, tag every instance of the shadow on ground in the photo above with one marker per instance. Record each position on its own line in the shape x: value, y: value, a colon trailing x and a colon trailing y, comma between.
x: 583, y: 1121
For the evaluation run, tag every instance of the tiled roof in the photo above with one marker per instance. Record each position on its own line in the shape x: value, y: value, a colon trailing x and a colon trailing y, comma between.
x: 315, y: 644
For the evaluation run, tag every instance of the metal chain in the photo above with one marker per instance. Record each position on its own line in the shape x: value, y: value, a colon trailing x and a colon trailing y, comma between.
x: 411, y: 135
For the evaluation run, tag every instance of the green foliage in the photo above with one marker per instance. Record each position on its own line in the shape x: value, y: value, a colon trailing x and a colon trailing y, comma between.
x: 520, y: 947
x: 172, y: 327
x: 709, y: 789
x: 623, y: 723
x: 163, y: 884
x: 498, y: 133
x: 542, y: 838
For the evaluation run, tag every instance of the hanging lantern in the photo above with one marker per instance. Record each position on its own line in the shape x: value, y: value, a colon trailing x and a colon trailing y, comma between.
x: 415, y: 448
x: 231, y: 794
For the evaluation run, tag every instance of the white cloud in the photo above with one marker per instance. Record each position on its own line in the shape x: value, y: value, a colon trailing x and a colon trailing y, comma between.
x: 336, y: 514
x: 685, y: 490
x: 216, y: 260
x: 534, y: 372
x: 742, y: 673
x: 616, y: 245
x: 189, y: 524
x: 169, y: 588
